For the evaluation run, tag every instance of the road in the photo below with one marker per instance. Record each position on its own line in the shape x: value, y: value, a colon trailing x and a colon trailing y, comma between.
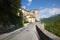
x: 29, y: 33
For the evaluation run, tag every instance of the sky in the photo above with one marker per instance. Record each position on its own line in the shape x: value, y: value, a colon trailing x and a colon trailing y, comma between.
x: 47, y: 8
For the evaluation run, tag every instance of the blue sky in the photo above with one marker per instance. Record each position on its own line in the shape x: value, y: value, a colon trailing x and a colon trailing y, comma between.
x: 47, y: 8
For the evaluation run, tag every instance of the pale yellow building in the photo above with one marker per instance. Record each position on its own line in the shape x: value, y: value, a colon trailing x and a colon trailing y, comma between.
x: 30, y: 16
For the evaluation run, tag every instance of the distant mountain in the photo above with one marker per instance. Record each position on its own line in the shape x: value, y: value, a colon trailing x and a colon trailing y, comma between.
x: 54, y: 18
x: 52, y: 24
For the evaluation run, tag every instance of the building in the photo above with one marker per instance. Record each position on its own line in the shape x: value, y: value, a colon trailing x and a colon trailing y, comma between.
x: 30, y: 16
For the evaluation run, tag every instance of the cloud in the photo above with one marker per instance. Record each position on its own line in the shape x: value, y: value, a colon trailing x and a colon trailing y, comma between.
x: 47, y: 12
x: 41, y: 8
x: 29, y: 2
x: 24, y: 7
x: 54, y: 11
x: 44, y: 16
x: 53, y: 5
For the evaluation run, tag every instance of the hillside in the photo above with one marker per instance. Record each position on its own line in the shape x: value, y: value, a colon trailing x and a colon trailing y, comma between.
x: 52, y: 24
x: 52, y: 19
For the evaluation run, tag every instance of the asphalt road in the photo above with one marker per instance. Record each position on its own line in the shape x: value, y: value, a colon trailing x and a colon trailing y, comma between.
x: 29, y: 33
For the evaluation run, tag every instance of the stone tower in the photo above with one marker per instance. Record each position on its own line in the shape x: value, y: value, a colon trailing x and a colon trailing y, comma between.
x: 36, y: 14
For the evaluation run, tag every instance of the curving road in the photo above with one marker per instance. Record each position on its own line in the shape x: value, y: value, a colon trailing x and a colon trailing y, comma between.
x: 28, y: 33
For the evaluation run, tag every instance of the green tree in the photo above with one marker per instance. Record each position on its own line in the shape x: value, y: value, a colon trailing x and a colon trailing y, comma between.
x: 8, y: 13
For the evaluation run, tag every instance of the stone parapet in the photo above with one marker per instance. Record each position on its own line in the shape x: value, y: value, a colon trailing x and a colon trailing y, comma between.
x: 46, y: 34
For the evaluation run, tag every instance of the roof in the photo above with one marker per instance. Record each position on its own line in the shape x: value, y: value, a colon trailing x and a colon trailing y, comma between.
x: 29, y: 10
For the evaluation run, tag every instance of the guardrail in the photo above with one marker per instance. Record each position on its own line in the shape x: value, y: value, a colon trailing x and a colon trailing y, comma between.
x: 45, y: 35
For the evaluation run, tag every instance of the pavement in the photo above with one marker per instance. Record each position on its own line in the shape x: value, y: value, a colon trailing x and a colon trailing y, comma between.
x: 28, y: 33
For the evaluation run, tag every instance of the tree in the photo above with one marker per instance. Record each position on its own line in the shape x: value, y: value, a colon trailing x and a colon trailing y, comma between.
x: 8, y: 12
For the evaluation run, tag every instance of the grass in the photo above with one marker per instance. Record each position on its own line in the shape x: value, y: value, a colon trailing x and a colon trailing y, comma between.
x: 53, y: 28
